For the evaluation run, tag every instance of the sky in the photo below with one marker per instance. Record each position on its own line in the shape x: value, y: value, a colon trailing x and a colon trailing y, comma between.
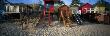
x: 67, y: 2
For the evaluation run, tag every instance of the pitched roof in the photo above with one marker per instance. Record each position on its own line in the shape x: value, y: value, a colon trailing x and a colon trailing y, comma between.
x: 85, y: 5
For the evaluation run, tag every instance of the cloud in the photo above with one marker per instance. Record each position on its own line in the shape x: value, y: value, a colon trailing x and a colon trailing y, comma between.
x: 67, y: 2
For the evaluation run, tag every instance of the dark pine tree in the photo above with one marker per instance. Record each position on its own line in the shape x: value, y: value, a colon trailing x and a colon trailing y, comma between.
x: 75, y: 3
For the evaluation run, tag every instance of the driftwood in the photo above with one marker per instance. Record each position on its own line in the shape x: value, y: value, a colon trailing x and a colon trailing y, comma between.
x: 105, y: 19
x: 65, y: 14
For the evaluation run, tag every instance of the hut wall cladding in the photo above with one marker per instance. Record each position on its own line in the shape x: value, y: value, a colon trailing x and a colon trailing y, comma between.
x: 107, y: 19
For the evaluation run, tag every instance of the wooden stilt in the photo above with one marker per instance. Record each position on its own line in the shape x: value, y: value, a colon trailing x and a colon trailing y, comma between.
x: 63, y: 18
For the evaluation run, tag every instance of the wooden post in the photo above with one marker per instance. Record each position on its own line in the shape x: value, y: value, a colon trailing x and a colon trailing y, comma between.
x: 49, y: 18
x: 44, y: 11
x: 62, y: 16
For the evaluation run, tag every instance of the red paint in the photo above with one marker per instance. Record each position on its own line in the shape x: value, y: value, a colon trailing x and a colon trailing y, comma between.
x: 82, y: 8
x: 51, y: 9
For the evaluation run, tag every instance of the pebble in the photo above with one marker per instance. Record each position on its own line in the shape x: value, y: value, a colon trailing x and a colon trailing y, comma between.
x: 13, y: 29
